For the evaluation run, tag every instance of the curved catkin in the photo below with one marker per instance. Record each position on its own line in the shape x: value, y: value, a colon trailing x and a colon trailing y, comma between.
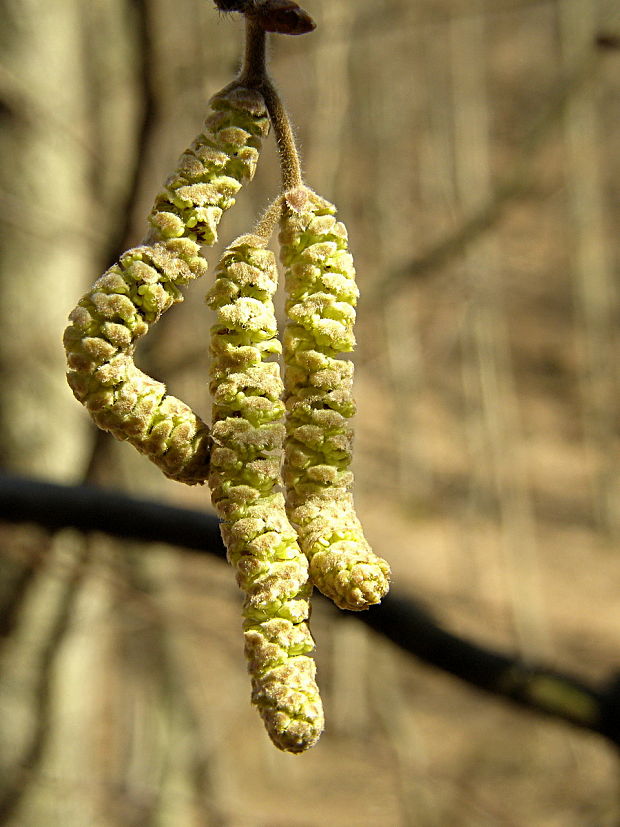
x: 131, y: 296
x: 321, y: 297
x: 247, y: 435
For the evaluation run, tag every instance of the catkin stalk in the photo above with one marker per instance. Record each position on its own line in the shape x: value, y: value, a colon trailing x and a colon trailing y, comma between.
x: 131, y: 296
x: 248, y: 434
x: 321, y: 298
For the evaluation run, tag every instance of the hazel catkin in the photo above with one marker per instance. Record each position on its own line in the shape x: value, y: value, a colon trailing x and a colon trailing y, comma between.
x: 321, y: 298
x: 248, y: 434
x: 131, y: 296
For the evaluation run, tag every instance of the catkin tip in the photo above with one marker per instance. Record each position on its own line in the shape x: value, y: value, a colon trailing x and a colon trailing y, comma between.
x: 288, y: 701
x: 353, y: 580
x: 295, y: 735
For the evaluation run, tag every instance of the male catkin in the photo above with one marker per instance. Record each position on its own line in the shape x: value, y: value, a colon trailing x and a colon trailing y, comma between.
x: 131, y: 296
x: 322, y: 293
x: 247, y: 435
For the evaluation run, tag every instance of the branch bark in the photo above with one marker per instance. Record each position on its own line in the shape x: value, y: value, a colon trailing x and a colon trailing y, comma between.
x: 400, y: 619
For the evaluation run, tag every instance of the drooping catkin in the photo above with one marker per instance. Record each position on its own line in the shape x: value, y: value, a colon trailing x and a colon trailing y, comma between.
x: 321, y: 297
x: 248, y: 434
x: 131, y: 296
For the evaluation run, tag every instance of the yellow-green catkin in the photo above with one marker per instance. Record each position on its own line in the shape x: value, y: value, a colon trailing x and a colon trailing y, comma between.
x: 248, y: 435
x: 131, y: 296
x: 321, y: 299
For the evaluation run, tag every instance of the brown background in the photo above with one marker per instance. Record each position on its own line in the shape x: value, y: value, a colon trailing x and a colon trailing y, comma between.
x: 472, y: 149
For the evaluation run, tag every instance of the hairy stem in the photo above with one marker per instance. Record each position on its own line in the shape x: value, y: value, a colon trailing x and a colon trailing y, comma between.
x: 254, y: 69
x: 266, y: 224
x: 290, y: 165
x: 254, y: 76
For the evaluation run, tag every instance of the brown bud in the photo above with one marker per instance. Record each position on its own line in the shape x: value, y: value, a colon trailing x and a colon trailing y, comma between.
x: 281, y: 16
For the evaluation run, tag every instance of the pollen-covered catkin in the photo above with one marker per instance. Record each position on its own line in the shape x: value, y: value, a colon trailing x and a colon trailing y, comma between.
x: 321, y: 297
x: 131, y: 296
x: 248, y: 434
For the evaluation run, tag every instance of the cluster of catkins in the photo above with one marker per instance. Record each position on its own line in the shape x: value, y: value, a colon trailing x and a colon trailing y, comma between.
x: 278, y: 454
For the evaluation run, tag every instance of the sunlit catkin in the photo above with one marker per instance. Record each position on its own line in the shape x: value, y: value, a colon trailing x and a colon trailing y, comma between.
x: 248, y: 434
x: 131, y: 296
x: 321, y: 297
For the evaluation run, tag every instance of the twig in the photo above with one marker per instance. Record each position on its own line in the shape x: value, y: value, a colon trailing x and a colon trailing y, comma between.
x: 400, y: 619
x: 254, y: 75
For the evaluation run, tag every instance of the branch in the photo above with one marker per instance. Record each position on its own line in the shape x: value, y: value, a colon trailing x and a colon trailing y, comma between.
x: 400, y: 619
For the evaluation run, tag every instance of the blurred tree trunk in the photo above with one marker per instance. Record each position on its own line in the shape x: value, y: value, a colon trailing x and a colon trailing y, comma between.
x: 51, y: 241
x: 65, y: 106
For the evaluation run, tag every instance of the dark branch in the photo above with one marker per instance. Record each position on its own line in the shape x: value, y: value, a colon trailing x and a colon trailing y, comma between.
x: 400, y: 619
x: 89, y: 508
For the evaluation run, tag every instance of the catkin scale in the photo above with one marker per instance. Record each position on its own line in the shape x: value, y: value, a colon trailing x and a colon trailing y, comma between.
x: 321, y: 291
x: 131, y: 296
x: 244, y: 477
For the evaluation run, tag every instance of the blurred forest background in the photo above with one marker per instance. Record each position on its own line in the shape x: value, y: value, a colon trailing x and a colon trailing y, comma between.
x: 473, y: 149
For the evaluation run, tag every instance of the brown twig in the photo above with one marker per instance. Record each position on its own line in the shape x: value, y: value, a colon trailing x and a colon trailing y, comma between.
x: 400, y: 619
x: 254, y: 75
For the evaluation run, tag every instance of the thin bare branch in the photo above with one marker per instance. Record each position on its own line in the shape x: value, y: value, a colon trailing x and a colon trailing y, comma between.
x: 400, y: 619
